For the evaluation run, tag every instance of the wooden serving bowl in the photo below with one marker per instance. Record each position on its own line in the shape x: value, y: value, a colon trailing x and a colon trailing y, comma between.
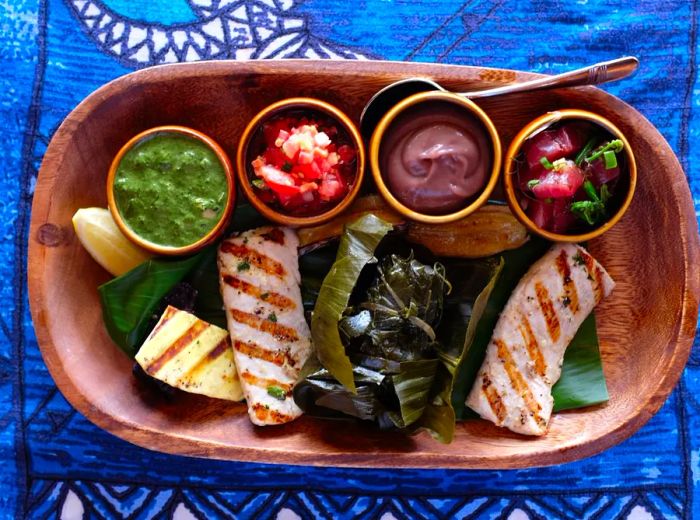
x: 646, y: 326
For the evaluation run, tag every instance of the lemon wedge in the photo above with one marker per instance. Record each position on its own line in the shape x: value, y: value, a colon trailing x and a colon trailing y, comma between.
x: 107, y: 245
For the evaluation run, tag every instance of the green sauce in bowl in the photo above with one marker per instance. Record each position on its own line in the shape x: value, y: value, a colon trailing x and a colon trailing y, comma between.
x: 170, y: 189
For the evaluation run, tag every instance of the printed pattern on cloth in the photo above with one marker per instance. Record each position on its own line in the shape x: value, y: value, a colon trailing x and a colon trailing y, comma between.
x: 58, y: 465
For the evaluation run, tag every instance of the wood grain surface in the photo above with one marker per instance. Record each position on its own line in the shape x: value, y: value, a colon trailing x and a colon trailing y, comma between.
x: 646, y: 327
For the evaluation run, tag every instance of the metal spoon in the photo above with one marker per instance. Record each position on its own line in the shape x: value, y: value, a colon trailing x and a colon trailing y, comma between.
x: 387, y: 97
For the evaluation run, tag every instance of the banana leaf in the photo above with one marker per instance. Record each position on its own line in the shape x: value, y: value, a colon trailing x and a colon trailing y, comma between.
x: 355, y: 251
x: 410, y: 388
x: 129, y: 301
x: 582, y: 382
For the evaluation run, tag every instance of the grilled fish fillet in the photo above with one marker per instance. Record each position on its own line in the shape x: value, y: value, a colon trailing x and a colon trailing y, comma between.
x: 524, y: 358
x: 259, y: 280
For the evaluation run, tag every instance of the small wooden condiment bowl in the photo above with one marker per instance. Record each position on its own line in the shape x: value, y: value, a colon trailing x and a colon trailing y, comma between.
x: 244, y: 159
x: 513, y: 192
x: 428, y: 97
x: 212, y: 234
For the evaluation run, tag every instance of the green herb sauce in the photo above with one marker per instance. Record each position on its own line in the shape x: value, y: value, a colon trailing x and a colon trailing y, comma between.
x: 170, y: 189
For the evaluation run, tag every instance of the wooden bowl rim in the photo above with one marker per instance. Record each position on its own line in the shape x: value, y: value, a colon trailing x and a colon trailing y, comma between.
x: 541, y: 122
x: 427, y: 97
x: 681, y: 336
x: 272, y: 110
x: 214, y: 232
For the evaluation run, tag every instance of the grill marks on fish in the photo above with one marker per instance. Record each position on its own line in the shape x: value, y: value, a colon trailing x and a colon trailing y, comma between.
x: 595, y: 275
x: 253, y: 350
x: 176, y: 347
x: 494, y: 400
x: 275, y: 235
x: 533, y: 349
x: 259, y: 281
x: 518, y: 381
x: 267, y: 415
x: 256, y: 258
x: 570, y: 297
x: 264, y: 382
x: 275, y: 299
x: 524, y: 357
x: 274, y: 329
x: 550, y: 315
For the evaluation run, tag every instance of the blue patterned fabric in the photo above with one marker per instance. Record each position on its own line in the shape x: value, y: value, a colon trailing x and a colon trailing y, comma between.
x: 55, y: 52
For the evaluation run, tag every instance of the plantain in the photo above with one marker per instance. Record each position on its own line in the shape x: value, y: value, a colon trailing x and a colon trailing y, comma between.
x: 488, y: 231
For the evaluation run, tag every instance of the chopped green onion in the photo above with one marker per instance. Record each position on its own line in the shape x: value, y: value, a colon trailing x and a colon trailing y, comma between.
x: 277, y: 392
x: 604, y: 193
x: 615, y: 145
x: 259, y: 183
x: 585, y: 151
x: 545, y: 162
x: 531, y: 184
x: 287, y: 167
x: 610, y: 159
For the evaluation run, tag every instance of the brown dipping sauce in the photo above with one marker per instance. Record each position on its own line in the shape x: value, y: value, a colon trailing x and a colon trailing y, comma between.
x: 435, y: 157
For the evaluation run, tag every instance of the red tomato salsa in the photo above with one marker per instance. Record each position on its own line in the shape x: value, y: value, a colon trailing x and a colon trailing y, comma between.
x: 568, y: 175
x: 306, y: 163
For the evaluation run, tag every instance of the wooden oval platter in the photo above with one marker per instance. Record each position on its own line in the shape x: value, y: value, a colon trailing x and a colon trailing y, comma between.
x: 646, y: 327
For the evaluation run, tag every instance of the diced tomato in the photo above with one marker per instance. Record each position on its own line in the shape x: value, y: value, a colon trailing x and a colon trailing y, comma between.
x: 599, y: 175
x: 271, y: 129
x: 303, y: 166
x: 563, y: 181
x: 331, y: 187
x: 274, y: 156
x: 346, y: 153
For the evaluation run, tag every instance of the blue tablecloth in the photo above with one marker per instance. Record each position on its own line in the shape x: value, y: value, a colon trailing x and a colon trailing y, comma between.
x: 55, y: 52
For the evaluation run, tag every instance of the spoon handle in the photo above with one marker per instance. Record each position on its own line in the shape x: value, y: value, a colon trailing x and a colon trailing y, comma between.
x: 592, y: 75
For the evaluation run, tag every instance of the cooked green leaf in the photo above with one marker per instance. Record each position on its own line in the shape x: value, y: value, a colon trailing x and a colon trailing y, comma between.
x: 356, y: 250
x: 403, y: 306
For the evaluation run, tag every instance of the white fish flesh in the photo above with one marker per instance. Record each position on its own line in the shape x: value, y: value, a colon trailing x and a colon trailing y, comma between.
x: 259, y: 280
x: 524, y: 357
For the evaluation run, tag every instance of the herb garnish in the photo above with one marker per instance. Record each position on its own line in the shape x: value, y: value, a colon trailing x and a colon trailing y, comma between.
x: 615, y: 145
x: 534, y: 182
x: 272, y: 317
x: 585, y: 151
x: 243, y: 266
x: 265, y: 296
x: 287, y: 167
x: 591, y: 211
x: 277, y: 392
x: 546, y: 163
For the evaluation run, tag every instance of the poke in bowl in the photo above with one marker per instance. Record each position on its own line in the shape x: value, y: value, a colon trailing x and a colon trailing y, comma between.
x: 569, y: 175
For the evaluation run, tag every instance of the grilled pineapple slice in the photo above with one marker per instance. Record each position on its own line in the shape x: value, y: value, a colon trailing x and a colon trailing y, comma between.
x: 192, y: 355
